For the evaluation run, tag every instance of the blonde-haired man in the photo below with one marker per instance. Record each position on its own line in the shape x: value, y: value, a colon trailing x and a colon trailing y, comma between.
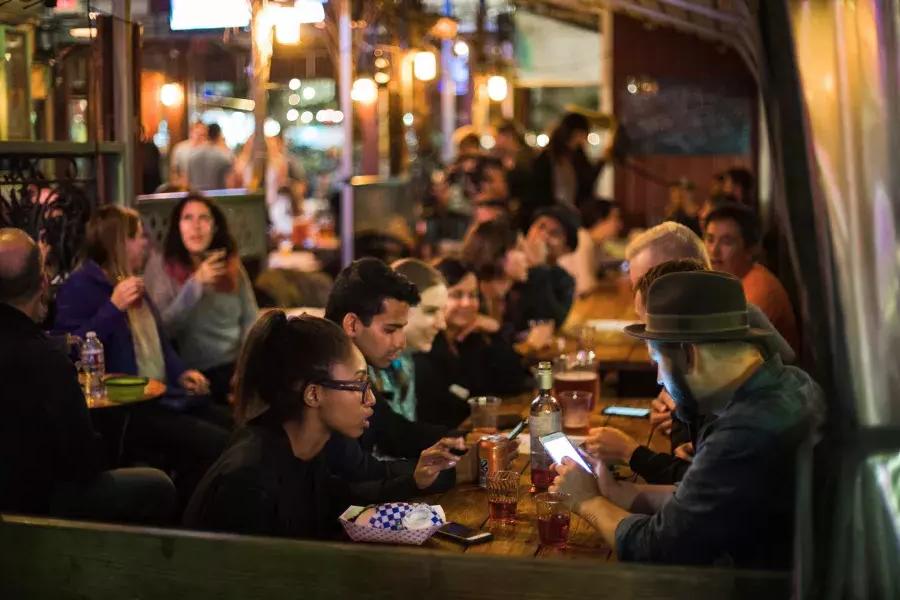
x: 673, y: 241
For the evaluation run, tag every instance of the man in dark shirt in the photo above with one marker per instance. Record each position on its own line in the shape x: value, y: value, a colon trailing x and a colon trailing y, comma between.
x: 50, y: 460
x: 735, y: 504
x: 371, y: 303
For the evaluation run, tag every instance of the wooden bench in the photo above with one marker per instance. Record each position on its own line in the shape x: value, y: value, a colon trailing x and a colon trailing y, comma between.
x: 46, y: 558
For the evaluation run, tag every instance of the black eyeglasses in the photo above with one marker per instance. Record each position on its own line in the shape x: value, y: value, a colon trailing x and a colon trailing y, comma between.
x: 347, y: 385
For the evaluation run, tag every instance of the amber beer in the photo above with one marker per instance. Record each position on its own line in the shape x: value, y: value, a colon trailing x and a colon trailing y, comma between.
x: 577, y: 380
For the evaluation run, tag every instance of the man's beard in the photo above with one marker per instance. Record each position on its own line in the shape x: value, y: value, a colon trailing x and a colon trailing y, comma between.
x: 687, y: 409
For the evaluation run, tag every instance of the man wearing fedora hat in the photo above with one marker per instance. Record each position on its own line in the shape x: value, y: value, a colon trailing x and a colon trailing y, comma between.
x: 735, y: 504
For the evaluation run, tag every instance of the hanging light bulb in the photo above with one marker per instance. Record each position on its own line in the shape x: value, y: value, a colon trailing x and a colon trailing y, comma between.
x: 424, y: 65
x: 364, y: 90
x: 170, y: 94
x: 497, y: 88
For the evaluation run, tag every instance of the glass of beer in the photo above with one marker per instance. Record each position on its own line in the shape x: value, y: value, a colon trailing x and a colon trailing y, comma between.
x: 553, y: 518
x: 577, y: 372
x: 503, y: 495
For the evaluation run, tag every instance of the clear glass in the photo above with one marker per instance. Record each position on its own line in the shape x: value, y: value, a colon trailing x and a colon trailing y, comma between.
x: 577, y: 371
x: 503, y: 495
x: 553, y: 518
x: 576, y: 411
x: 484, y: 412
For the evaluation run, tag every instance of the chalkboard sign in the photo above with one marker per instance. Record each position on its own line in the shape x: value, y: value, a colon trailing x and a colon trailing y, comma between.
x: 685, y: 119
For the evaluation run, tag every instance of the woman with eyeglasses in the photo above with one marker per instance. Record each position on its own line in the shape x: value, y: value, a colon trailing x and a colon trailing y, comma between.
x: 300, y: 383
x: 469, y: 358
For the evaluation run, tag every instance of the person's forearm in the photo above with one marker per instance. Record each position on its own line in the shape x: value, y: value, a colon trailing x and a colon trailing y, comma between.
x: 649, y: 499
x: 602, y: 515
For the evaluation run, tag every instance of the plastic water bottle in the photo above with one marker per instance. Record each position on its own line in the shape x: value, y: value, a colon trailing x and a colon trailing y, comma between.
x: 94, y: 365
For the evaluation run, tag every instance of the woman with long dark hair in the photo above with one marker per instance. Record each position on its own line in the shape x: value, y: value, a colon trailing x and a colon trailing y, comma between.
x: 203, y: 293
x: 300, y: 382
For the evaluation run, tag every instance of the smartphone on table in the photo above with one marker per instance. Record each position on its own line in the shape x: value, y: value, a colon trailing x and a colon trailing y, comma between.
x: 558, y: 446
x: 626, y: 411
x: 461, y: 534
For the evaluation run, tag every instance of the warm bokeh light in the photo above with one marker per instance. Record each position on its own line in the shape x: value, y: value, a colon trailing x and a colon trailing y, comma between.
x: 310, y: 11
x: 364, y: 90
x: 271, y: 127
x: 170, y: 94
x: 292, y: 114
x: 543, y: 139
x: 461, y: 48
x: 445, y: 28
x: 83, y: 32
x: 287, y: 32
x: 425, y: 66
x: 497, y: 88
x: 294, y: 84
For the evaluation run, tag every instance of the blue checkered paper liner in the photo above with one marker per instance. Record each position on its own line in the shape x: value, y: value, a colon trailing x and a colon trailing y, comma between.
x: 391, y: 516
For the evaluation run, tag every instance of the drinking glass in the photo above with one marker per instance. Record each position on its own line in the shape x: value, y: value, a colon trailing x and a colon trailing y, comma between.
x: 553, y: 518
x: 576, y: 410
x: 503, y: 495
x: 484, y: 412
x: 577, y: 371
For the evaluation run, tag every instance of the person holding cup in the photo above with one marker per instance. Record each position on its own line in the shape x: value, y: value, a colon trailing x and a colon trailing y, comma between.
x: 202, y: 290
x: 107, y: 296
x: 499, y: 258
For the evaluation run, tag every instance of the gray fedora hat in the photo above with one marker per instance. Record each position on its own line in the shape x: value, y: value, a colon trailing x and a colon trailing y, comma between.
x: 697, y: 306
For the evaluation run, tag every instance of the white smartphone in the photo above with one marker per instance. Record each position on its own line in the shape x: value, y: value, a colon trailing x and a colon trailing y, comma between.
x: 558, y: 446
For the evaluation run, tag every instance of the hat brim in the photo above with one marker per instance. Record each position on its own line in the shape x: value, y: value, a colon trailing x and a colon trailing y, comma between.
x: 639, y: 330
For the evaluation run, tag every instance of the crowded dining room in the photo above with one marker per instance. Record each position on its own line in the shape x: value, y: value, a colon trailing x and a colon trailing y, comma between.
x: 449, y: 299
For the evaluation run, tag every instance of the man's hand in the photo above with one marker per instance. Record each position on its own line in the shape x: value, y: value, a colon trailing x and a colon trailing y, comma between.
x: 194, y: 383
x: 610, y: 445
x: 661, y: 413
x: 685, y: 451
x: 436, y: 459
x: 571, y: 479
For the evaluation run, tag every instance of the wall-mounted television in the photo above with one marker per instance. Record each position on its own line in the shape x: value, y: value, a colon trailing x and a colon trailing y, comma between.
x: 209, y: 14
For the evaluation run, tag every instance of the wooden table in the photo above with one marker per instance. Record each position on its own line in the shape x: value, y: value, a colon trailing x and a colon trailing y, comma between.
x: 615, y: 350
x: 467, y: 503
